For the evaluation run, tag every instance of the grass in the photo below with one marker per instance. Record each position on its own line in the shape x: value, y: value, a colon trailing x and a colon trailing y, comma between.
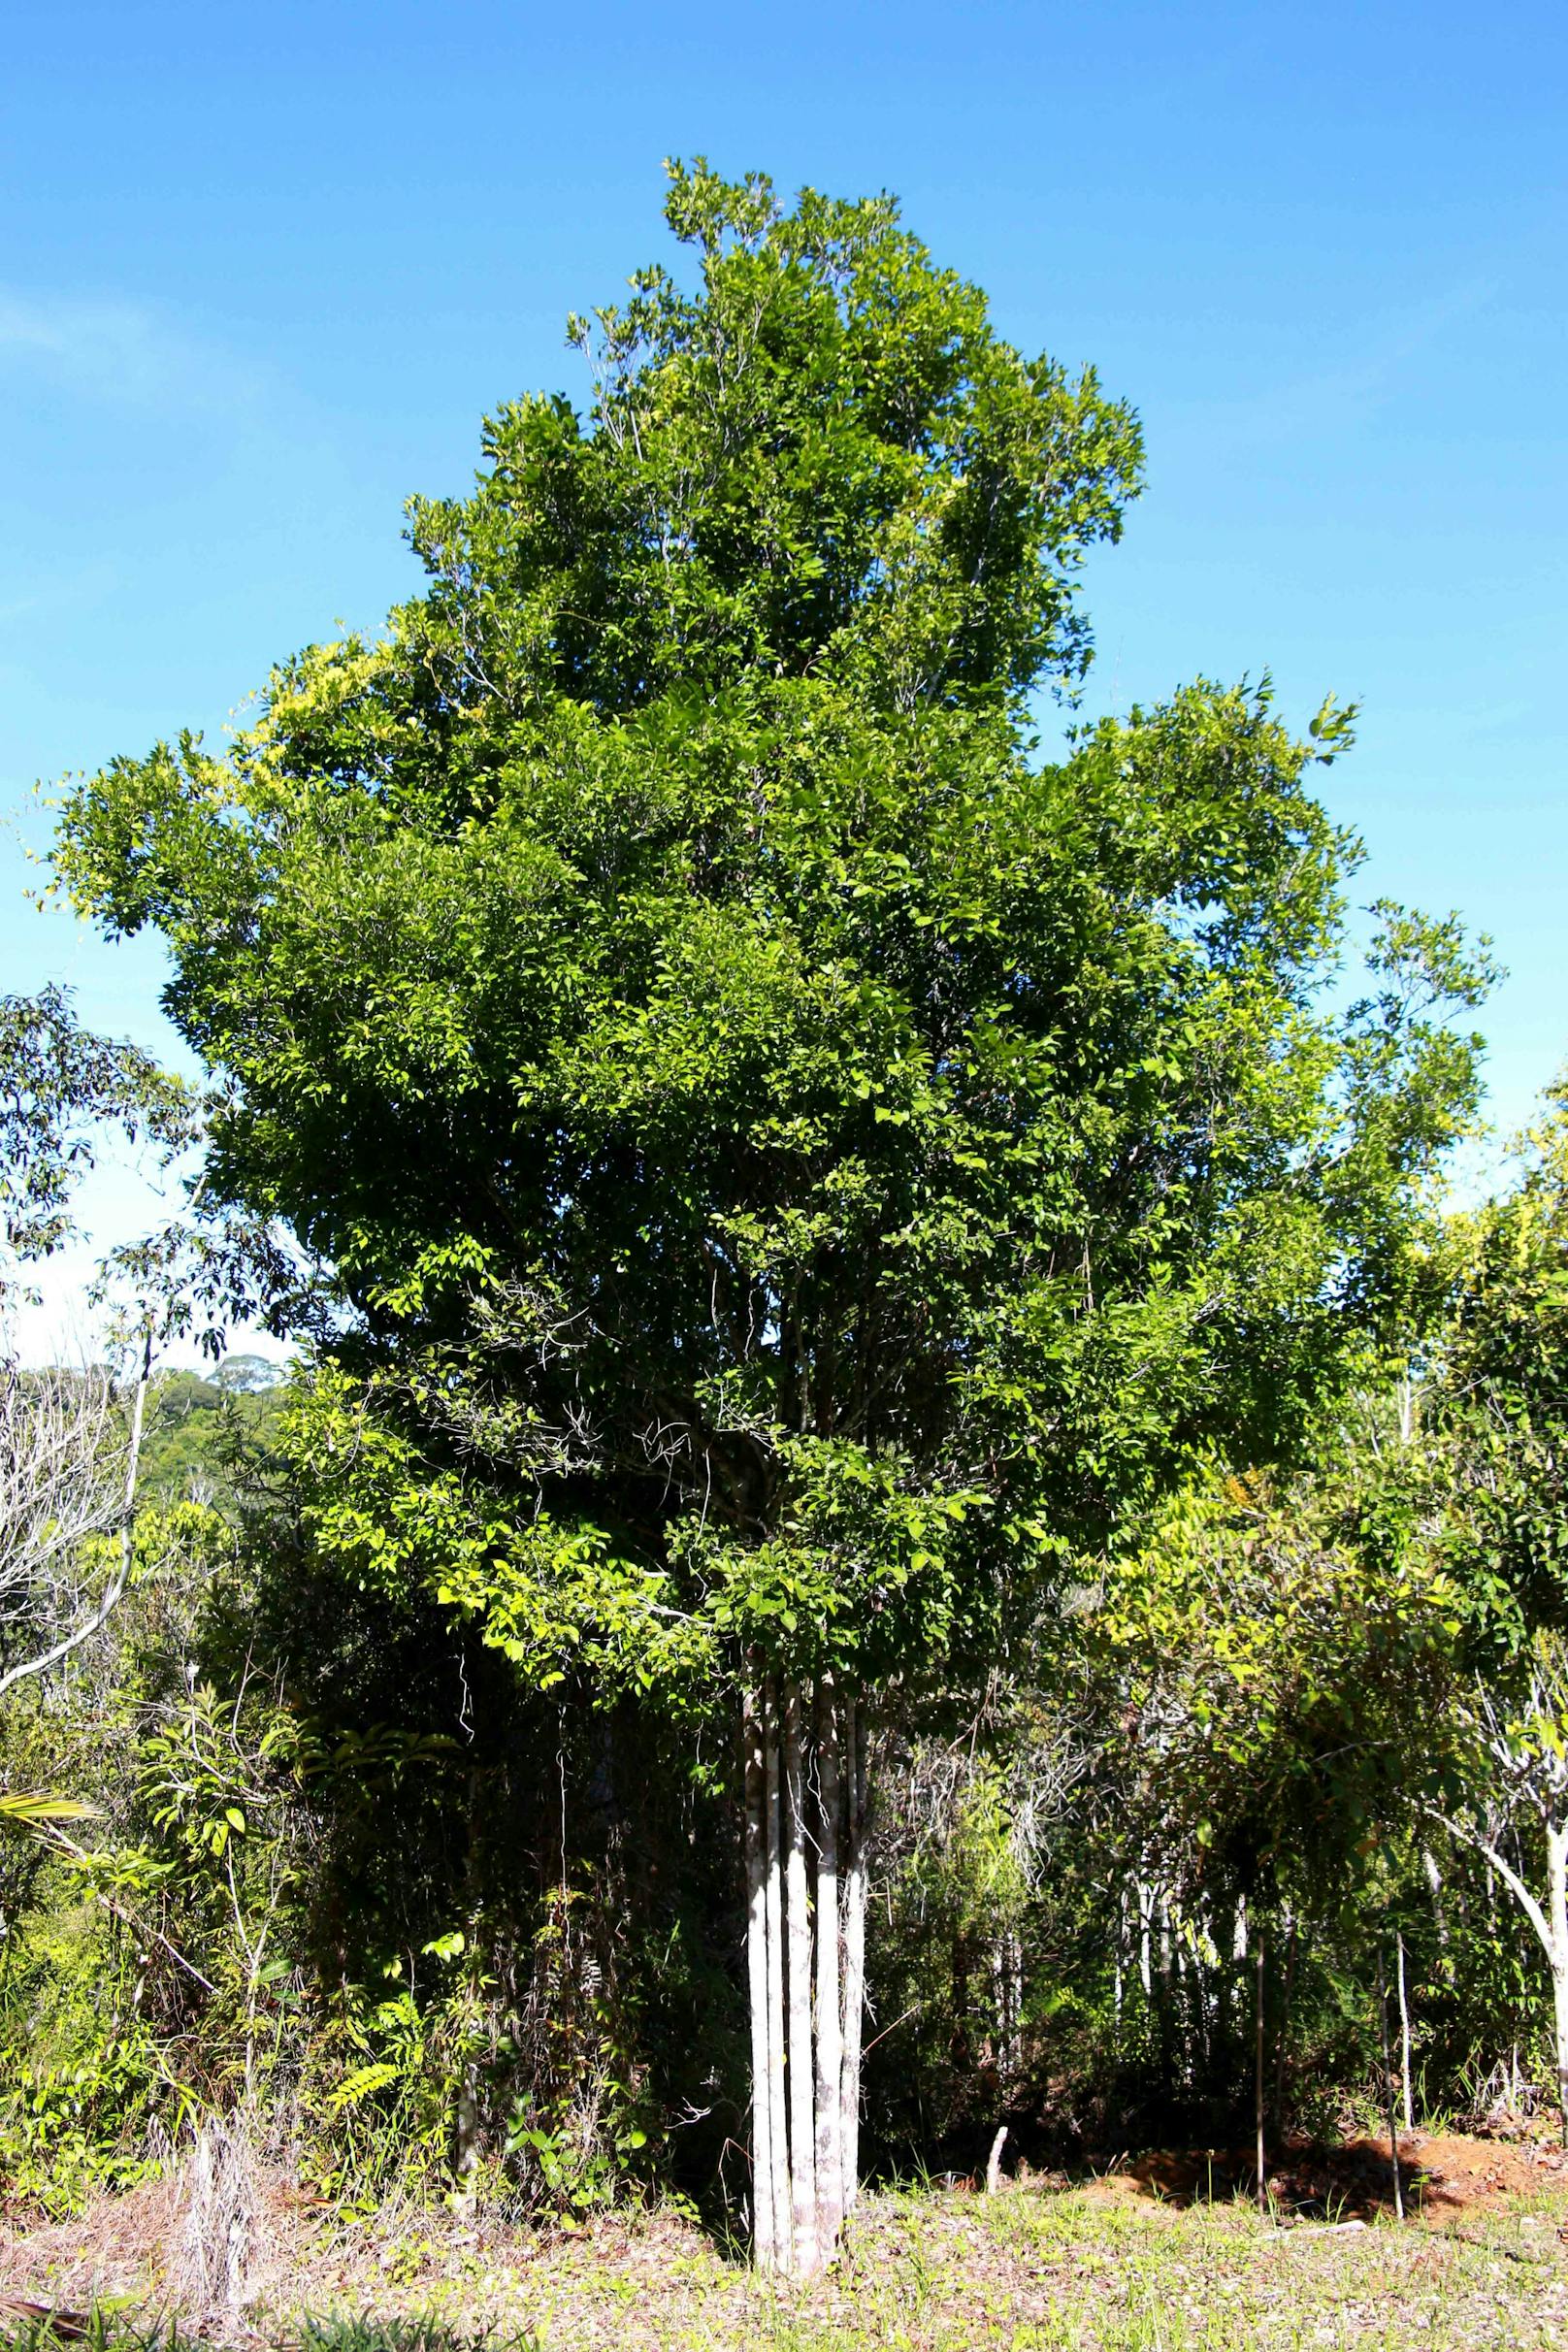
x: 1032, y: 2270
x: 106, y: 2331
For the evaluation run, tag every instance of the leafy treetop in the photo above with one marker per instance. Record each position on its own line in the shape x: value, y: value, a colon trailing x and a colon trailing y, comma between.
x: 795, y: 1163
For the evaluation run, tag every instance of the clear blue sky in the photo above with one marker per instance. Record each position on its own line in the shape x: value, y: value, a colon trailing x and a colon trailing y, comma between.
x: 264, y: 268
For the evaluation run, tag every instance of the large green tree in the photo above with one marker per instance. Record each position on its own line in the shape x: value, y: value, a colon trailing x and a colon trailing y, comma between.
x: 795, y: 1165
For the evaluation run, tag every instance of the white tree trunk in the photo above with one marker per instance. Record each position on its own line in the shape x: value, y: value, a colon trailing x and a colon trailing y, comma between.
x: 1282, y: 2034
x: 800, y: 2073
x: 1121, y: 1951
x: 763, y: 2244
x: 806, y: 1963
x: 1014, y: 2005
x: 856, y: 1775
x: 1557, y: 1922
x: 830, y: 2012
x: 1434, y: 1880
x: 1258, y: 2074
x: 1404, y: 2037
x: 777, y: 2125
x: 1387, y: 2087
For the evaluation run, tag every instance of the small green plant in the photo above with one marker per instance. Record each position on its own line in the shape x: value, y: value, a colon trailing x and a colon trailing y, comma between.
x: 108, y: 2327
x: 360, y: 2332
x: 71, y: 2128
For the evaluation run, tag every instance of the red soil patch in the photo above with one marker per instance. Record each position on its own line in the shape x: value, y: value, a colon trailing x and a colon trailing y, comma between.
x: 1442, y: 2174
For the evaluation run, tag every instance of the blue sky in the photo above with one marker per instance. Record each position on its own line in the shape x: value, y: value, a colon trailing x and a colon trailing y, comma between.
x: 261, y: 271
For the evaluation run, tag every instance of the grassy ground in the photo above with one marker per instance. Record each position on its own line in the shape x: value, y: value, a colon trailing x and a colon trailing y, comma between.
x: 1036, y: 2271
x: 1099, y: 2267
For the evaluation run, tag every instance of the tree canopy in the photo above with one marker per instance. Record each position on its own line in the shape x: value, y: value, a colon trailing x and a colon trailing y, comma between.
x: 790, y: 1152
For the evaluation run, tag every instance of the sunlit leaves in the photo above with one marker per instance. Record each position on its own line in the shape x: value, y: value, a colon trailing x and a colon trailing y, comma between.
x: 796, y: 1167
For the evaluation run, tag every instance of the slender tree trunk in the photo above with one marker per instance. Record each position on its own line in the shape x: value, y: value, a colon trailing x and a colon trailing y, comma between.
x: 133, y: 1461
x: 1258, y: 2073
x: 777, y: 2125
x: 1404, y: 2032
x: 1557, y: 1922
x: 1282, y: 2038
x: 1186, y: 2012
x: 1120, y: 1949
x: 1560, y: 2008
x: 856, y: 1774
x: 805, y: 1962
x: 1388, y: 2085
x: 1434, y: 1880
x: 1164, y: 2021
x: 761, y: 2138
x: 800, y: 2073
x: 830, y: 1994
x: 1200, y: 1991
x: 1014, y: 2005
x: 464, y: 2138
x: 1006, y: 1970
x: 998, y: 2003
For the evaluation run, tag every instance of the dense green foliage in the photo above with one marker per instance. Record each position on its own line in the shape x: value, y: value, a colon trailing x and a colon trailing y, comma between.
x: 1506, y: 1418
x: 798, y: 1165
x: 764, y: 1164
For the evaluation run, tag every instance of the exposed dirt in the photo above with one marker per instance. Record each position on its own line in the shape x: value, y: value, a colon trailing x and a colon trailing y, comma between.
x: 1442, y: 2175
